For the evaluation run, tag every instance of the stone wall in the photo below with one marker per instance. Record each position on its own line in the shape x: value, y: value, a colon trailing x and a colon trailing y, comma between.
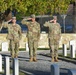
x: 43, y: 42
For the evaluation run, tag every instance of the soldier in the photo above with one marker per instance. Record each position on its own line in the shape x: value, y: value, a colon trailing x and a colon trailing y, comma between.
x: 33, y: 35
x: 54, y: 37
x: 14, y: 35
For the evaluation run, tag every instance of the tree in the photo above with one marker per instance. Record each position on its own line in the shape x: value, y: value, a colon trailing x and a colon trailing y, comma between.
x: 75, y: 17
x: 38, y: 7
x: 27, y: 7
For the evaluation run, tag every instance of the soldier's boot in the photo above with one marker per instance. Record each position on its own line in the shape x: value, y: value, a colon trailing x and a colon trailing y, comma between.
x: 56, y: 59
x: 34, y: 59
x: 52, y: 59
x: 31, y: 59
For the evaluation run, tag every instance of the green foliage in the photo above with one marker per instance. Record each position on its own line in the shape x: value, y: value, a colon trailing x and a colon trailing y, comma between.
x: 19, y: 15
x: 37, y: 7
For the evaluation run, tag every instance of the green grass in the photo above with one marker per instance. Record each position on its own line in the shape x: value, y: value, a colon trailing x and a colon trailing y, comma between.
x: 60, y: 55
x: 1, y: 73
x: 24, y: 49
x: 20, y: 73
x: 68, y: 56
x: 62, y: 48
x: 43, y: 49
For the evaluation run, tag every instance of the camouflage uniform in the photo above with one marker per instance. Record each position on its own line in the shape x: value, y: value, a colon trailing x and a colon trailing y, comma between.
x: 54, y: 37
x: 14, y: 35
x: 33, y: 35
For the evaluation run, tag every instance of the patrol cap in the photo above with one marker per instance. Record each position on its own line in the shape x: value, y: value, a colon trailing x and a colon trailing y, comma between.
x: 55, y: 17
x: 14, y: 17
x: 32, y: 16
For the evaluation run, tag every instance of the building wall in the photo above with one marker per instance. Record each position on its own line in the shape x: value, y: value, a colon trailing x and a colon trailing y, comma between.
x: 43, y: 42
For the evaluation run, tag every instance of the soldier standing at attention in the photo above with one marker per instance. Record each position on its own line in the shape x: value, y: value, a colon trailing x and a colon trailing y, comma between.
x: 33, y: 35
x: 54, y: 37
x: 14, y: 36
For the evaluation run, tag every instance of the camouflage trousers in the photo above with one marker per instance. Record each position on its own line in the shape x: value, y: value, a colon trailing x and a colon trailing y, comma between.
x: 54, y: 50
x: 33, y: 44
x: 54, y: 45
x: 14, y: 48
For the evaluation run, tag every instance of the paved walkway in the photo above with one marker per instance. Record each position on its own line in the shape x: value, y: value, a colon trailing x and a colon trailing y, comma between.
x: 42, y: 66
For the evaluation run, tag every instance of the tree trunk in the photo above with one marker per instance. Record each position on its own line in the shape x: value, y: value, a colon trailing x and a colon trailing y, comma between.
x: 8, y: 17
x: 8, y: 14
x: 75, y: 17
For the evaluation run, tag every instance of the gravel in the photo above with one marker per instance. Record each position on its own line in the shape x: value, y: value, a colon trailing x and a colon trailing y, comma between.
x: 42, y: 66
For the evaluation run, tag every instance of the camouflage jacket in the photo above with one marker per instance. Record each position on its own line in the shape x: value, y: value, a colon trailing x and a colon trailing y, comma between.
x: 14, y: 32
x: 33, y: 29
x: 54, y: 30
